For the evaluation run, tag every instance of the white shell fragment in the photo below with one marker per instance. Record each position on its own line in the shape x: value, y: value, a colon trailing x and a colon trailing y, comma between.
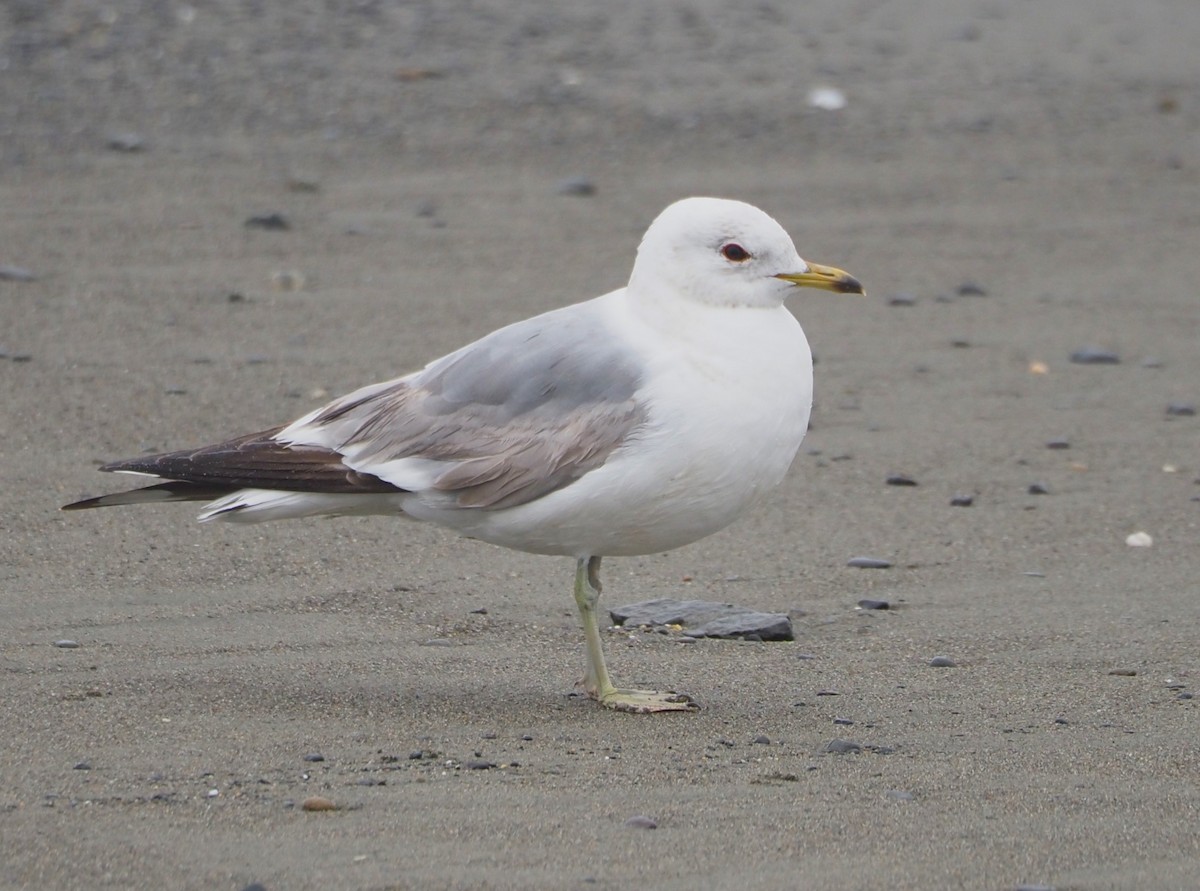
x: 827, y: 98
x: 1139, y: 540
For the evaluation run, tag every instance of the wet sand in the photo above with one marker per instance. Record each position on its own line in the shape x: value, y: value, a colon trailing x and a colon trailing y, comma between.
x: 1048, y: 158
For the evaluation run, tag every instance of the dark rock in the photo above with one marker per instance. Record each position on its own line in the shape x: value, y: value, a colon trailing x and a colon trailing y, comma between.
x: 641, y: 821
x: 761, y: 740
x: 841, y: 747
x: 971, y: 289
x: 82, y: 765
x: 1123, y: 672
x: 125, y: 142
x: 874, y: 604
x: 314, y: 756
x: 1058, y: 444
x: 843, y: 722
x: 1038, y: 489
x: 962, y: 500
x: 273, y: 222
x: 1095, y: 356
x: 16, y: 274
x: 1181, y: 409
x: 942, y: 662
x: 580, y: 186
x: 478, y: 764
x: 703, y: 618
x: 869, y: 563
x: 1185, y: 695
x: 899, y: 479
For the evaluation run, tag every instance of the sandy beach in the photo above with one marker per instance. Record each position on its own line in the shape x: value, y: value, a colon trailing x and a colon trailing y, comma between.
x: 1013, y: 182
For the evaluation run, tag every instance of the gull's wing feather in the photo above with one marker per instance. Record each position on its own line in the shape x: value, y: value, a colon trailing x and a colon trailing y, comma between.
x: 512, y: 417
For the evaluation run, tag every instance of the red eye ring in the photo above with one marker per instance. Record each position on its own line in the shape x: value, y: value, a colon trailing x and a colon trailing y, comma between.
x: 735, y: 253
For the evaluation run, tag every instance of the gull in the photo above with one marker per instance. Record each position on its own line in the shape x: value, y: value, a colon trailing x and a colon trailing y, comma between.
x: 633, y: 423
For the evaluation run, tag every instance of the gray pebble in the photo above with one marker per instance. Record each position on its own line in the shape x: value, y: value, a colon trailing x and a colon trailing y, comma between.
x: 1058, y: 444
x: 67, y: 644
x: 902, y: 299
x: 1038, y: 489
x: 580, y: 186
x: 962, y: 500
x: 1185, y: 695
x: 1181, y: 409
x: 899, y: 479
x: 314, y: 756
x: 1095, y: 356
x: 82, y: 765
x: 1124, y: 672
x: 489, y: 734
x: 971, y: 289
x: 272, y: 222
x: 125, y: 142
x: 641, y: 821
x: 899, y: 795
x: 867, y: 603
x: 841, y: 747
x: 869, y: 563
x: 16, y: 274
x: 761, y: 740
x: 478, y: 764
x: 843, y: 722
x: 942, y: 662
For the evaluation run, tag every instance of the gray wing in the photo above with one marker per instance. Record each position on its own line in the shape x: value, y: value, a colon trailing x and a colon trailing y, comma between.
x: 514, y: 416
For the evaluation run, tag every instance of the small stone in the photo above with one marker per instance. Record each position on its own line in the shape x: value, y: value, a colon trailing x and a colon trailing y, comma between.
x: 255, y: 886
x: 841, y: 747
x: 1123, y: 672
x: 1061, y: 720
x: 82, y: 765
x: 317, y: 803
x: 961, y: 344
x: 125, y: 142
x: 867, y: 603
x: 478, y: 764
x: 1038, y: 489
x: 273, y: 222
x: 869, y: 563
x: 1095, y: 356
x: 1181, y: 410
x: 899, y: 479
x: 942, y: 662
x: 1185, y: 695
x: 1058, y: 444
x: 971, y: 289
x: 1139, y: 540
x: 902, y: 299
x: 641, y: 821
x: 67, y: 644
x: 843, y: 722
x: 761, y: 740
x: 962, y: 500
x: 16, y: 274
x: 288, y: 281
x: 579, y: 186
x: 314, y: 756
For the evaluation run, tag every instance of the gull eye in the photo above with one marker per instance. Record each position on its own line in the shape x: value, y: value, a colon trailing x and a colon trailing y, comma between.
x: 735, y: 252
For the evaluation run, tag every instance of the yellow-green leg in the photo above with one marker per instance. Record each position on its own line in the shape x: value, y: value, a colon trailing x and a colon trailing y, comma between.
x: 596, y: 681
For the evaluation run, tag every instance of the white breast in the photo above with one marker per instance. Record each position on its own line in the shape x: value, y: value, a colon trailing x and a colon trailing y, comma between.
x: 728, y: 391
